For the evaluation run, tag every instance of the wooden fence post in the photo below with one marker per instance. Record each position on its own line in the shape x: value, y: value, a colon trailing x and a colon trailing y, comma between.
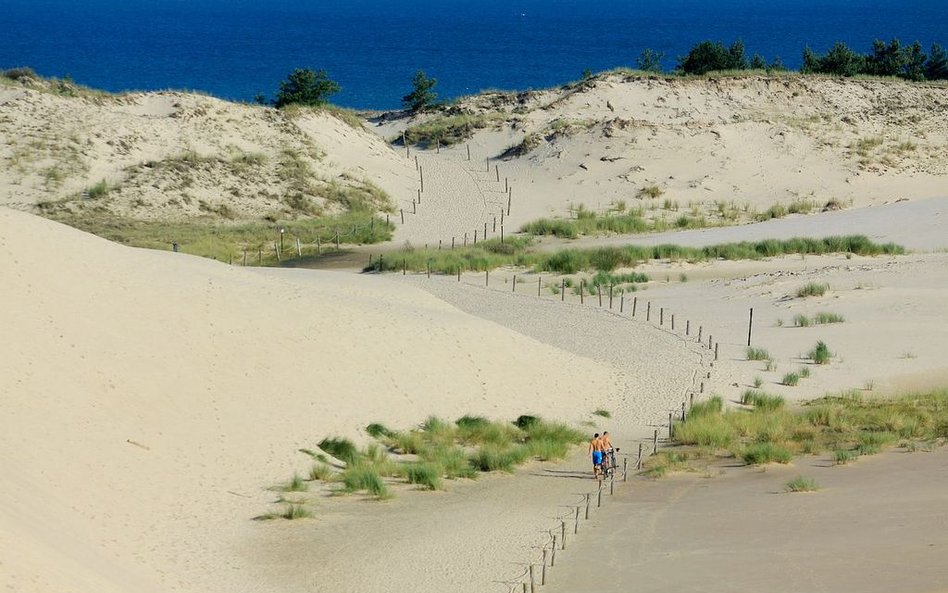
x: 582, y: 290
x: 553, y: 555
x: 661, y: 316
x: 750, y: 326
x: 576, y: 524
x: 533, y: 584
x: 468, y: 152
x: 610, y: 296
x: 648, y: 311
x: 543, y: 569
x: 402, y: 212
x: 655, y: 442
x: 670, y: 424
x: 638, y: 463
x: 563, y: 289
x: 716, y: 344
x: 673, y: 322
x: 539, y: 285
x: 635, y: 303
x: 621, y: 302
x: 486, y: 277
x: 687, y: 327
x: 497, y: 171
x: 514, y: 283
x: 587, y: 506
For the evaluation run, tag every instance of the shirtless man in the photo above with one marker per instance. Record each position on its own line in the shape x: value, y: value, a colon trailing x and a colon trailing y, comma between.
x: 596, y: 449
x: 607, y: 452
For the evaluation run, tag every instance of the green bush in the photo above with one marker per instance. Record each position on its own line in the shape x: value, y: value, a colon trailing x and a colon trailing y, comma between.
x: 709, y: 56
x: 525, y: 421
x: 791, y: 379
x: 844, y: 456
x: 306, y: 87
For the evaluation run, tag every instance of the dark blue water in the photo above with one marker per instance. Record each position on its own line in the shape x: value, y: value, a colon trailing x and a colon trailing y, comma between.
x: 238, y: 48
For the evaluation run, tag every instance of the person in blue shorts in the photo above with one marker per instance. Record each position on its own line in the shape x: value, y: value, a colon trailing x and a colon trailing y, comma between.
x: 595, y: 448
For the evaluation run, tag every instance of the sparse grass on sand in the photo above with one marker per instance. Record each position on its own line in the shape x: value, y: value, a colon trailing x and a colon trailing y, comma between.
x: 228, y: 242
x: 757, y: 353
x: 521, y: 251
x: 435, y: 451
x: 603, y: 413
x: 450, y: 129
x: 812, y: 289
x: 802, y: 484
x: 847, y: 426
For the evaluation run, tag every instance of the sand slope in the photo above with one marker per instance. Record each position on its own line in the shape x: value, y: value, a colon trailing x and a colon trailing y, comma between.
x: 149, y: 398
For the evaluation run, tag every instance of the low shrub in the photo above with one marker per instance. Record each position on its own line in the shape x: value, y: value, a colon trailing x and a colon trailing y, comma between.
x: 377, y: 430
x: 791, y: 379
x: 844, y: 456
x: 491, y: 457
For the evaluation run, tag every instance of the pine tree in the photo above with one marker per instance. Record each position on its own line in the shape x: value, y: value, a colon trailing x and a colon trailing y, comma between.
x: 422, y: 95
x: 306, y: 87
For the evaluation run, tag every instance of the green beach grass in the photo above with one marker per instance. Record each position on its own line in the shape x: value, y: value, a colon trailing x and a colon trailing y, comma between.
x: 845, y: 426
x: 523, y: 252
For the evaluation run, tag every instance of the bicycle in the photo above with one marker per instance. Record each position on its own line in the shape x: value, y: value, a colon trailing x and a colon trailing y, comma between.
x: 609, y: 463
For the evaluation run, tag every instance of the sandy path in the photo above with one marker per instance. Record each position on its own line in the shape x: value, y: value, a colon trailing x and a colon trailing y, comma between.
x: 875, y: 526
x: 458, y: 198
x: 918, y: 225
x: 652, y: 368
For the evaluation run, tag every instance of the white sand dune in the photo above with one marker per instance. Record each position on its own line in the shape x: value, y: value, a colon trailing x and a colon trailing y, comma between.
x: 149, y: 399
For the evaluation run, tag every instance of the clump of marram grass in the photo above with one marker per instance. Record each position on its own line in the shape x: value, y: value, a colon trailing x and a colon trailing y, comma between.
x: 756, y: 353
x: 296, y: 511
x: 427, y: 475
x: 363, y: 477
x: 491, y: 457
x: 820, y: 353
x: 804, y: 372
x: 341, y: 448
x: 812, y: 289
x: 603, y: 413
x: 296, y: 484
x: 762, y: 453
x: 791, y: 379
x: 758, y: 382
x: 322, y: 472
x: 823, y: 318
x: 802, y: 484
x: 844, y: 456
x: 761, y: 400
x: 377, y: 430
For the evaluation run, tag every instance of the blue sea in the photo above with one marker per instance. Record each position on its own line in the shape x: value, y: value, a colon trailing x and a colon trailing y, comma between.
x: 238, y: 48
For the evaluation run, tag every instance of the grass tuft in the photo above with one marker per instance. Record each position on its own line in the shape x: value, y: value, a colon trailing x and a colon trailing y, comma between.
x: 791, y: 379
x: 364, y: 477
x: 802, y: 484
x: 376, y: 430
x: 761, y: 400
x: 812, y: 289
x: 761, y: 453
x: 820, y: 353
x: 341, y: 448
x: 844, y: 456
x: 427, y: 475
x: 603, y: 413
x: 757, y: 354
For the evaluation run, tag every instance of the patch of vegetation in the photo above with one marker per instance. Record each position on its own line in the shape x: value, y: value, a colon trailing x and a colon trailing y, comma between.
x: 791, y: 379
x: 756, y: 353
x: 650, y: 191
x: 341, y: 448
x: 847, y: 425
x: 820, y: 353
x: 427, y: 475
x: 603, y: 413
x: 450, y: 129
x: 762, y: 453
x: 363, y: 477
x: 304, y: 86
x: 377, y: 430
x: 322, y: 472
x: 761, y: 400
x: 812, y: 289
x: 520, y: 251
x: 296, y: 484
x: 802, y: 484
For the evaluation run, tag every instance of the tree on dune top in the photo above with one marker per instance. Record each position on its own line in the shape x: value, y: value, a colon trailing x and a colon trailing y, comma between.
x: 422, y: 95
x: 306, y: 87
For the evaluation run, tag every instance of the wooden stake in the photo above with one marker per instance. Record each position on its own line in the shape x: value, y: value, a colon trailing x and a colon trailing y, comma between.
x: 648, y: 311
x: 673, y: 322
x: 638, y: 463
x: 582, y: 290
x: 576, y: 523
x: 635, y: 303
x: 514, y: 283
x: 655, y: 442
x: 402, y: 211
x: 539, y: 285
x: 750, y: 326
x: 543, y: 569
x: 562, y: 534
x: 621, y: 302
x: 486, y: 277
x: 468, y: 152
x: 610, y: 296
x: 587, y: 506
x: 716, y: 344
x: 563, y: 289
x: 687, y: 327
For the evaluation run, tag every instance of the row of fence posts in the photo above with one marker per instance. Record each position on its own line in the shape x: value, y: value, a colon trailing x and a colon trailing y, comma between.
x: 471, y: 237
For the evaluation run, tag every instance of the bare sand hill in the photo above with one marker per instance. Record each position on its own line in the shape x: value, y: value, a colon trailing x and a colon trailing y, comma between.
x: 149, y: 399
x: 181, y: 156
x: 717, y: 149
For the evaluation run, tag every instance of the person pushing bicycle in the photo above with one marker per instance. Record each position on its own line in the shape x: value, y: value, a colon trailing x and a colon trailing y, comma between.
x: 596, y: 449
